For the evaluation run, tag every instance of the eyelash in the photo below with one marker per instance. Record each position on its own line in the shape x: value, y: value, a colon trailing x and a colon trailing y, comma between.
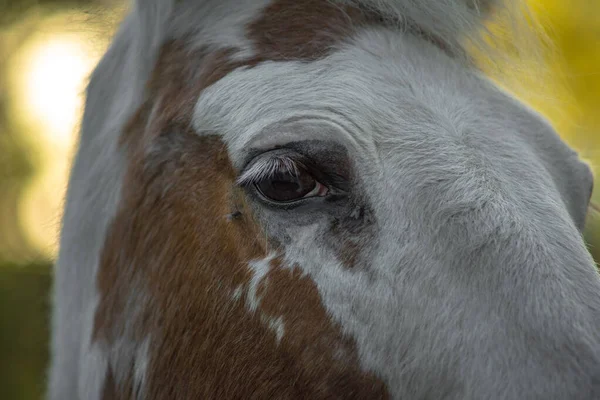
x: 268, y: 167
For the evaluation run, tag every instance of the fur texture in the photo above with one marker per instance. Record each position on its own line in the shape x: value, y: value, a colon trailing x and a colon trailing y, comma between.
x: 450, y: 266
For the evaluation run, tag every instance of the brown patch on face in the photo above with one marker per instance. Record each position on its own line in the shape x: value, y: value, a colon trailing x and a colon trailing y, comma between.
x: 305, y: 30
x: 310, y: 29
x: 172, y: 260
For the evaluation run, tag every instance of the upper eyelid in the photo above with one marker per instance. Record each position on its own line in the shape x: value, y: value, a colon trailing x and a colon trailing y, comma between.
x: 266, y: 166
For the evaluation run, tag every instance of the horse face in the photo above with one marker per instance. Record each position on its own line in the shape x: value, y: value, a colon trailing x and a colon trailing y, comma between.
x: 340, y: 207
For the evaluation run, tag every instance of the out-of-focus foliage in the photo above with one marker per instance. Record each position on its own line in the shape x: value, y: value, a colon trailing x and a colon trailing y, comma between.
x: 24, y: 324
x: 50, y: 45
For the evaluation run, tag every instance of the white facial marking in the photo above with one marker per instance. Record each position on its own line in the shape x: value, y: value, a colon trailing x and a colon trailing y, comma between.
x: 277, y: 325
x: 261, y: 268
x: 237, y: 293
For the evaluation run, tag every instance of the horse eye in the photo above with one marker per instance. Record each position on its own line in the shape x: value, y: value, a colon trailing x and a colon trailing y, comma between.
x: 287, y: 186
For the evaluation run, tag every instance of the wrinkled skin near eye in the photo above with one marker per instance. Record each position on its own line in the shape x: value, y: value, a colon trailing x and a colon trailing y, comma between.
x: 290, y: 186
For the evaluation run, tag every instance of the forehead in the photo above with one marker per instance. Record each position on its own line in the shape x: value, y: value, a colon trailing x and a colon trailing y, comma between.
x: 378, y: 86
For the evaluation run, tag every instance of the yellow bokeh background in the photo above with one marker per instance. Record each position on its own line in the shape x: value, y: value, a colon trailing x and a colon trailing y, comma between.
x: 49, y: 48
x: 45, y: 80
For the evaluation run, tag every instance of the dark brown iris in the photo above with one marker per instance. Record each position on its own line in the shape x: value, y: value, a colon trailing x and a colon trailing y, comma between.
x: 284, y: 186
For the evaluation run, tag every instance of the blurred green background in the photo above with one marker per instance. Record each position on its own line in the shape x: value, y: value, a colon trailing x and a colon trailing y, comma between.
x: 47, y: 50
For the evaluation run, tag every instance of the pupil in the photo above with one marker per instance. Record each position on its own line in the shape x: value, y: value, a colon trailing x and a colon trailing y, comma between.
x: 287, y: 187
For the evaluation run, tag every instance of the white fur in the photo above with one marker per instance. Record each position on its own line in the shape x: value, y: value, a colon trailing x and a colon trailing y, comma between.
x: 237, y: 293
x: 278, y: 326
x: 260, y: 268
x: 94, y: 360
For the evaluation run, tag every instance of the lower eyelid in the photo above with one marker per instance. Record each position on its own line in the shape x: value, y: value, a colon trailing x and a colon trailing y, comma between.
x: 320, y: 190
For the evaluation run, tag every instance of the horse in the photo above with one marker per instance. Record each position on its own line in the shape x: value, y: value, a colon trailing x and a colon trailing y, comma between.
x: 319, y: 199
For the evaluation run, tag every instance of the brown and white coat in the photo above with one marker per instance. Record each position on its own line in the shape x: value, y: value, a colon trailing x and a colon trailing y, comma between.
x: 450, y: 265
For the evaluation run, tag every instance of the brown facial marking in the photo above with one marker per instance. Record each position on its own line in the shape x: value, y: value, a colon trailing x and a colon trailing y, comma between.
x: 172, y: 260
x: 305, y: 30
x: 310, y: 29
